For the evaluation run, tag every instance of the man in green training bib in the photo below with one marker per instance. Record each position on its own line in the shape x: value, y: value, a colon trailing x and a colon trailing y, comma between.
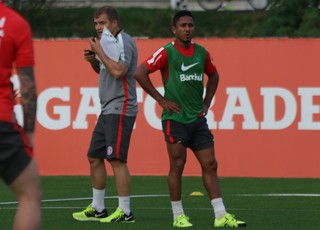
x: 183, y: 65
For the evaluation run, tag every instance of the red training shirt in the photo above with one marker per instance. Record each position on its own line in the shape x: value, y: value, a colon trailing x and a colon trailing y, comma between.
x: 16, y: 50
x: 158, y: 60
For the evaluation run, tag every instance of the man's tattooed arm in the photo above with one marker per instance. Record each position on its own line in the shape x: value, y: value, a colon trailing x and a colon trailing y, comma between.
x: 28, y: 97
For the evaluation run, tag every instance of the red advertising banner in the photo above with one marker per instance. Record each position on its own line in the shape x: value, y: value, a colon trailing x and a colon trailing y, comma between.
x: 265, y: 116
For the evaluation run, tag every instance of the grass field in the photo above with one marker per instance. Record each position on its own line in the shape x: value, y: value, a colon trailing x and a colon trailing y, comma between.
x: 266, y: 204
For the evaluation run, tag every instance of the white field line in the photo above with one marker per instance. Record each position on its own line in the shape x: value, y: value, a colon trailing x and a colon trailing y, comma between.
x: 89, y: 198
x: 282, y: 195
x: 166, y: 195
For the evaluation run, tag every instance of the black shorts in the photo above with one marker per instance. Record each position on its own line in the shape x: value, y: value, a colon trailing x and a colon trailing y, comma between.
x: 15, y: 153
x: 196, y: 135
x: 111, y: 137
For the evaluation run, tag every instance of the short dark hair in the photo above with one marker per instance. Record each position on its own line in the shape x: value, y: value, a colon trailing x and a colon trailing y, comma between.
x: 111, y: 13
x: 180, y: 14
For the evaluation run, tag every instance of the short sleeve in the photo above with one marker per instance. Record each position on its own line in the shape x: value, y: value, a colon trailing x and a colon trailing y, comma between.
x: 24, y: 46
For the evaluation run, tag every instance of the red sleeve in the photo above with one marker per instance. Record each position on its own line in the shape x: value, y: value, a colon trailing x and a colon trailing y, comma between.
x: 209, y: 67
x: 24, y: 46
x: 158, y: 60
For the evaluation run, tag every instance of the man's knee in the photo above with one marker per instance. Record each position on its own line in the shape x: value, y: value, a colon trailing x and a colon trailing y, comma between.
x: 213, y: 165
x: 95, y: 161
x: 178, y: 165
x: 96, y: 165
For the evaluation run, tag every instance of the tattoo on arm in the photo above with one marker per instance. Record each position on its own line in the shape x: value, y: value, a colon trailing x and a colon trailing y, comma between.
x: 28, y: 97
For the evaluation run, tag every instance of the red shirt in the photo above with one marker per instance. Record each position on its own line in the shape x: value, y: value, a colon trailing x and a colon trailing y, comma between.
x: 16, y: 50
x: 158, y: 60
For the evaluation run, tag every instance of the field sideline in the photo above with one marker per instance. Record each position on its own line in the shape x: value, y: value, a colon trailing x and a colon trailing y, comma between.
x: 265, y: 203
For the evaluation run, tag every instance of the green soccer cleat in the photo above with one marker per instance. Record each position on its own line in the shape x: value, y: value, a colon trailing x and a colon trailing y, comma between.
x: 228, y: 220
x: 118, y: 216
x: 90, y: 214
x: 182, y: 221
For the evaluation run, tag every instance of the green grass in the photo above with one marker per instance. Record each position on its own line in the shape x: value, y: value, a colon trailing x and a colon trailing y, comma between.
x: 248, y: 198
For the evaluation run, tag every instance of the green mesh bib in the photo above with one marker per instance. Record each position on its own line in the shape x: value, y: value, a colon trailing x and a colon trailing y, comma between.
x: 185, y: 83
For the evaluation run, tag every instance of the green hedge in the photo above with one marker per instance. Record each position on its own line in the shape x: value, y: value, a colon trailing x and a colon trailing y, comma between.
x: 288, y: 18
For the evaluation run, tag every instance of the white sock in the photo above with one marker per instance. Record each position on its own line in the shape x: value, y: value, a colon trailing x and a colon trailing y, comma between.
x: 98, y: 199
x: 177, y: 208
x: 218, y: 207
x: 124, y: 204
